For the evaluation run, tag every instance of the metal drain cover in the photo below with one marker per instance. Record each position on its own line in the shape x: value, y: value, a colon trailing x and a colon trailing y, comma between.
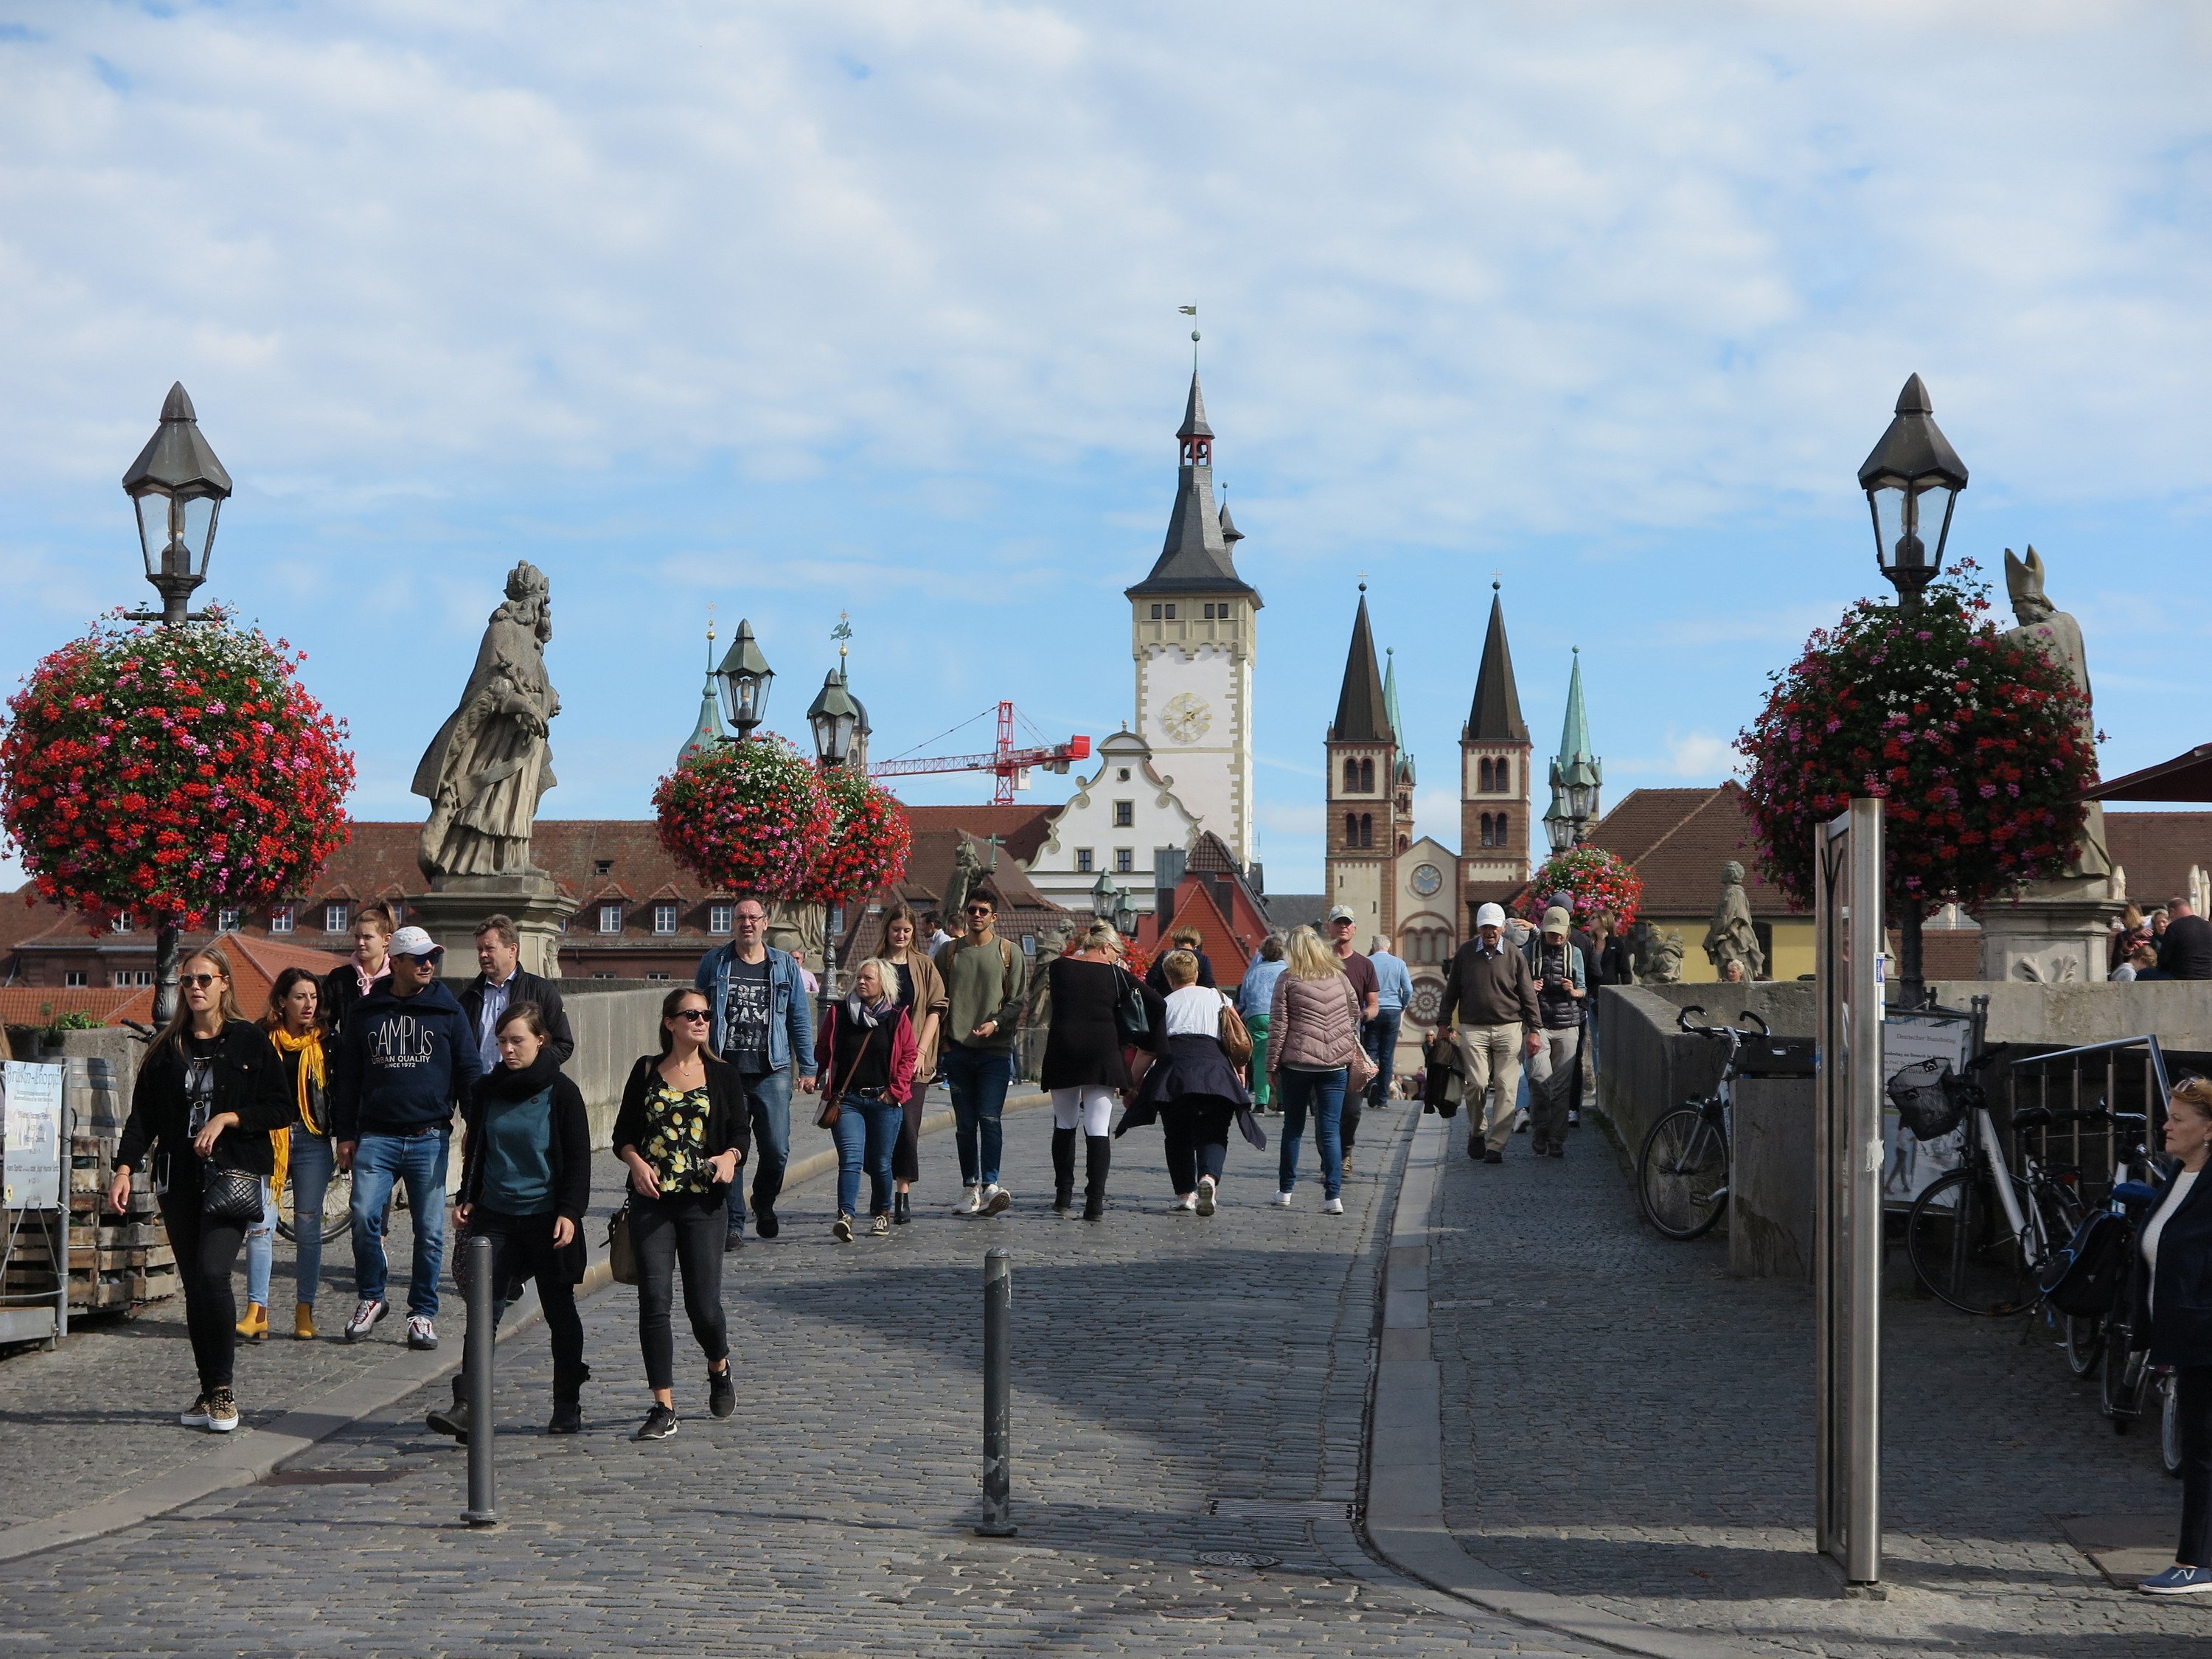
x: 1238, y: 1558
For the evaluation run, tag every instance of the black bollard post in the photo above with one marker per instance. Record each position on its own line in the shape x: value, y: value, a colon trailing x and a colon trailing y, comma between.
x: 480, y: 1512
x: 998, y: 1392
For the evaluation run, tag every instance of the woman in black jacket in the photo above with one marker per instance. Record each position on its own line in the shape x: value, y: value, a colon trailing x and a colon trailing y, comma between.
x: 526, y: 1184
x: 683, y: 1130
x: 1084, y: 1067
x: 210, y: 1090
x: 2177, y: 1247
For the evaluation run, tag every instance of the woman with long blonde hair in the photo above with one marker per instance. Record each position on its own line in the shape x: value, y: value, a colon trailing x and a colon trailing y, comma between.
x: 208, y: 1093
x: 1313, y: 1037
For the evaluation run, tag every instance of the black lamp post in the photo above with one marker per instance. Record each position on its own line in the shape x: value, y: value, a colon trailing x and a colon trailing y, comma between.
x: 834, y: 718
x: 745, y: 677
x: 177, y: 488
x: 1913, y: 463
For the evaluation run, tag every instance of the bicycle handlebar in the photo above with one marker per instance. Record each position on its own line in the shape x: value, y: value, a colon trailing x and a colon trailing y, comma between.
x: 1763, y: 1030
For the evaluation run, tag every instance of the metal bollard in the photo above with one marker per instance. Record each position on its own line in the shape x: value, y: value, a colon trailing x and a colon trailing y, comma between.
x: 480, y: 1343
x: 998, y: 1391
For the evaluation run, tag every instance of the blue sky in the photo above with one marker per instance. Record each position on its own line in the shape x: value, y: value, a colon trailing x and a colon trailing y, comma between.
x: 806, y: 308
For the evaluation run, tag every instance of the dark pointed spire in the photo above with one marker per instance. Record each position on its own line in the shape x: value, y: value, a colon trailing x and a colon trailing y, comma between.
x: 1194, y: 413
x: 1231, y: 535
x: 1363, y: 706
x: 1195, y: 557
x: 1496, y: 715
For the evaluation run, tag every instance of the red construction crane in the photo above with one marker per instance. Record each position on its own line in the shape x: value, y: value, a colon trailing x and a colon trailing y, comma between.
x: 1005, y: 762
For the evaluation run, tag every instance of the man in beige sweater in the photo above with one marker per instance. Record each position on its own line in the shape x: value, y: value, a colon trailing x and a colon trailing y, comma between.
x: 1490, y: 995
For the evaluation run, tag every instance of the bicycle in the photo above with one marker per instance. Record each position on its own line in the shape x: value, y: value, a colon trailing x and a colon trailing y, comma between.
x: 1682, y: 1174
x: 1978, y: 1237
x: 338, y: 1217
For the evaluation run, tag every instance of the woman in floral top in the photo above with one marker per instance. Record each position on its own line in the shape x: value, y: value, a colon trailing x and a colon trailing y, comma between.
x: 683, y: 1132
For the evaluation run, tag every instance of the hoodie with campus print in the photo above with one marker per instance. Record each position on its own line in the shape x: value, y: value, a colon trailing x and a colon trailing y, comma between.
x: 404, y: 1064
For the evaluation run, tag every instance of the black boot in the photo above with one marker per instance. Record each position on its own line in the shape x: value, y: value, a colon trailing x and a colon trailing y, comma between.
x: 454, y: 1419
x: 900, y: 1214
x: 1063, y: 1170
x: 567, y: 1400
x: 1097, y: 1158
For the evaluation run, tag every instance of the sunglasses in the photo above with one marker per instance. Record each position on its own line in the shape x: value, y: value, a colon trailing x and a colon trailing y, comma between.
x: 431, y: 957
x: 692, y: 1013
x: 980, y: 910
x: 200, y: 981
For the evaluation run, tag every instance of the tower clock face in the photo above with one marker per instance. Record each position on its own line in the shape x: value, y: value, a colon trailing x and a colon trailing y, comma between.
x: 1427, y: 879
x: 1186, y: 718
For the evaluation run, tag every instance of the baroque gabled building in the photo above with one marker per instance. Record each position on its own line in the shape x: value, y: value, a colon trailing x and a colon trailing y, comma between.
x: 1494, y: 783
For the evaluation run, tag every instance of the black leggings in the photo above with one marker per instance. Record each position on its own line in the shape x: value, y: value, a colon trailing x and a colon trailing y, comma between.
x: 522, y: 1248
x: 1197, y: 1137
x: 690, y: 1228
x: 2192, y: 1387
x: 206, y: 1251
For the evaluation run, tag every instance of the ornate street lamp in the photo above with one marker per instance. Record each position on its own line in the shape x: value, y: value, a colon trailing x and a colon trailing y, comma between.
x: 1914, y: 460
x: 745, y: 675
x: 1560, y: 828
x: 834, y: 717
x: 177, y: 488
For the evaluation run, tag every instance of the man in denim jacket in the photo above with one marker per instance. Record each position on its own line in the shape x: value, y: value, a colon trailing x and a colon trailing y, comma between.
x: 763, y: 1028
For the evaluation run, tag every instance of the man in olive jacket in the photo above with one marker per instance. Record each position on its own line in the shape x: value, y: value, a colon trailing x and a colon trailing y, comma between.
x: 1490, y: 983
x: 984, y: 976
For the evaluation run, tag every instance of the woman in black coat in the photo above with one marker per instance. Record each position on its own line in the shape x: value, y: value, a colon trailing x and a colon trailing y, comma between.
x: 683, y: 1130
x: 2176, y: 1246
x: 526, y: 1184
x: 1084, y: 1068
x: 209, y: 1092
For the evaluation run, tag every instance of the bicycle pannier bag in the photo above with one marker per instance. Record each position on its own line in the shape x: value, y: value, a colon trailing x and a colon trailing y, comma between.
x: 2084, y: 1277
x: 1926, y: 1105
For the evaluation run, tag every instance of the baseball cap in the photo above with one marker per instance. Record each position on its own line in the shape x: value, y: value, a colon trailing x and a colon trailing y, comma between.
x: 1490, y: 915
x: 1342, y: 913
x: 414, y: 942
x: 1556, y: 921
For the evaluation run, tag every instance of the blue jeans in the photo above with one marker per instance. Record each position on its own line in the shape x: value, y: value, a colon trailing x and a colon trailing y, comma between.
x: 977, y: 1080
x: 1322, y: 1093
x: 380, y: 1162
x: 1379, y: 1036
x: 261, y: 1249
x: 309, y: 1178
x: 768, y: 1106
x: 867, y: 1129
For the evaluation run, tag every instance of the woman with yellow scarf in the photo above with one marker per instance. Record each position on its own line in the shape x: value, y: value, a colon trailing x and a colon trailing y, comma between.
x: 303, y: 1156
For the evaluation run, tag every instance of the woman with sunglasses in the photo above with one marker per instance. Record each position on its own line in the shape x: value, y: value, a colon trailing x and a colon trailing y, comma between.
x: 683, y: 1132
x: 866, y: 1055
x: 2177, y: 1248
x: 209, y: 1094
x: 305, y: 1159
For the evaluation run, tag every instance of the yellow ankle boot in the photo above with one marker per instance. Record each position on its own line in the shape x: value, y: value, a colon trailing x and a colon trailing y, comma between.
x: 255, y: 1326
x: 303, y: 1321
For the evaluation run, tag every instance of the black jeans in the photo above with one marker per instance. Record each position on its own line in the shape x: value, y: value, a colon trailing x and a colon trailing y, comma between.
x: 206, y: 1251
x: 689, y: 1227
x: 522, y: 1248
x: 1197, y: 1138
x: 2192, y: 1387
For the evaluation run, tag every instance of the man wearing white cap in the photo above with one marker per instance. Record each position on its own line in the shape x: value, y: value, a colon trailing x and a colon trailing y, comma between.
x: 1562, y: 990
x: 1491, y: 985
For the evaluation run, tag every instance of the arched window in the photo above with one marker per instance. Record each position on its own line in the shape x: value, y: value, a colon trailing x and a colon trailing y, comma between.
x: 1505, y: 830
x: 1504, y: 776
x: 1488, y: 832
x: 1483, y: 775
x: 1350, y: 775
x: 1367, y: 829
x: 1351, y: 828
x: 1367, y: 776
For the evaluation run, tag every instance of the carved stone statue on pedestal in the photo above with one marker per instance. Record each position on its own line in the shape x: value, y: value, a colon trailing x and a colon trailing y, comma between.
x: 1665, y: 963
x: 1732, y: 938
x: 967, y: 870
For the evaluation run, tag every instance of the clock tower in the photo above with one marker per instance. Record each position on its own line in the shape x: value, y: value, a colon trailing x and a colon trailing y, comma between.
x: 1193, y: 629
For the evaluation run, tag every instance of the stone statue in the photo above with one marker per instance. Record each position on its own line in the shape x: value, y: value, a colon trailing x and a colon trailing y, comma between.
x: 1666, y: 963
x: 491, y: 763
x: 1732, y: 938
x: 967, y: 870
x: 1037, y: 1017
x: 2051, y: 630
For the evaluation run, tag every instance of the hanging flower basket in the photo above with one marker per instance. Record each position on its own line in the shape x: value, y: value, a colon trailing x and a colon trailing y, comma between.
x: 1599, y: 880
x: 868, y: 844
x: 747, y: 817
x: 154, y: 773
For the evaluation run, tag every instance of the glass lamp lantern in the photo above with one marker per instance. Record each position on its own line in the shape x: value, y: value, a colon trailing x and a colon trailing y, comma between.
x: 177, y: 488
x: 745, y: 676
x: 1913, y: 481
x: 834, y: 717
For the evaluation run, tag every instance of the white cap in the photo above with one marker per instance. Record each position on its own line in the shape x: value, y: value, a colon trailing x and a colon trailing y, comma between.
x: 1490, y: 916
x: 413, y: 942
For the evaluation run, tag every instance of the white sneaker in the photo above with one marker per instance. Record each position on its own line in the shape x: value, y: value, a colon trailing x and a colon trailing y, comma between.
x: 974, y: 1205
x: 421, y: 1332
x: 1187, y: 1204
x: 1283, y: 1199
x: 197, y: 1418
x: 1203, y: 1203
x: 1519, y: 1123
x: 997, y: 1201
x: 365, y: 1317
x: 1334, y: 1207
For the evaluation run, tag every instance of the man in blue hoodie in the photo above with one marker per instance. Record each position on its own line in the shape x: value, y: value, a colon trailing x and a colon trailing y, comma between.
x: 407, y: 1061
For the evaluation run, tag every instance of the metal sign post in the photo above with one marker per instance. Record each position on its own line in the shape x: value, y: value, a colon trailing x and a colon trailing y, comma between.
x: 1847, y: 1267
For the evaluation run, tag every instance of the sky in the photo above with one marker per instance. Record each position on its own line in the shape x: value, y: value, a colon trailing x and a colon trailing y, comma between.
x: 842, y: 307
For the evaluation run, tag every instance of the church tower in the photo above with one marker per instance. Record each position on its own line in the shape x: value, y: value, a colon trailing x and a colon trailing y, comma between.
x: 1193, y: 636
x: 1494, y: 782
x: 1362, y: 748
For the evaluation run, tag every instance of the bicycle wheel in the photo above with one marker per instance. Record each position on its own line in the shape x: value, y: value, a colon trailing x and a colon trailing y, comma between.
x: 2169, y: 1424
x: 2120, y: 1386
x: 2084, y: 1342
x: 1682, y: 1177
x: 1962, y: 1248
x: 338, y: 1219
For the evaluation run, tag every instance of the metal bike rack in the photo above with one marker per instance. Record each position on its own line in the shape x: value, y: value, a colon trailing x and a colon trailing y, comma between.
x: 2101, y: 1068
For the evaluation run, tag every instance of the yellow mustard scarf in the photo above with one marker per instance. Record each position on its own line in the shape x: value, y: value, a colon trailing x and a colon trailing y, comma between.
x: 310, y: 1050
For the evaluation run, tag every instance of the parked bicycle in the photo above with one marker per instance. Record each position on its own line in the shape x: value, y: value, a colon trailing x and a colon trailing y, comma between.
x: 1978, y: 1236
x: 1682, y: 1175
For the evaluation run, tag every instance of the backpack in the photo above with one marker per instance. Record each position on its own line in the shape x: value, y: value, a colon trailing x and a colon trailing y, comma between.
x: 2083, y: 1279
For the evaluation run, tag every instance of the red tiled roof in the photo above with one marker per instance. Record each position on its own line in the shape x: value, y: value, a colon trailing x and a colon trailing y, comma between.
x: 33, y: 1005
x: 1677, y: 839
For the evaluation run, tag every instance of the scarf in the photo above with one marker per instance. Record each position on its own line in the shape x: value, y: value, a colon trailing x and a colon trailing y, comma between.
x: 865, y: 1015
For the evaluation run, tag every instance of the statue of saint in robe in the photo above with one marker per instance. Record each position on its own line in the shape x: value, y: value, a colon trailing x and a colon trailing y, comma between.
x: 2055, y: 634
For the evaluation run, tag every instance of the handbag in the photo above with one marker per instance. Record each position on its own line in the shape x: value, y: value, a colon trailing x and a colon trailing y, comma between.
x: 832, y: 1110
x: 1361, y: 1071
x: 1131, y: 1018
x: 230, y: 1195
x: 1235, y: 1039
x: 621, y: 1256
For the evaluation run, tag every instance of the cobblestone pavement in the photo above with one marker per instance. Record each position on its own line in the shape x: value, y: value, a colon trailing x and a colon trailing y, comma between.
x: 1182, y: 1387
x: 1625, y: 1423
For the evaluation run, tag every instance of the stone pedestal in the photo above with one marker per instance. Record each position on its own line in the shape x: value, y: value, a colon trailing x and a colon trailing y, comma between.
x: 2057, y: 933
x: 455, y: 905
